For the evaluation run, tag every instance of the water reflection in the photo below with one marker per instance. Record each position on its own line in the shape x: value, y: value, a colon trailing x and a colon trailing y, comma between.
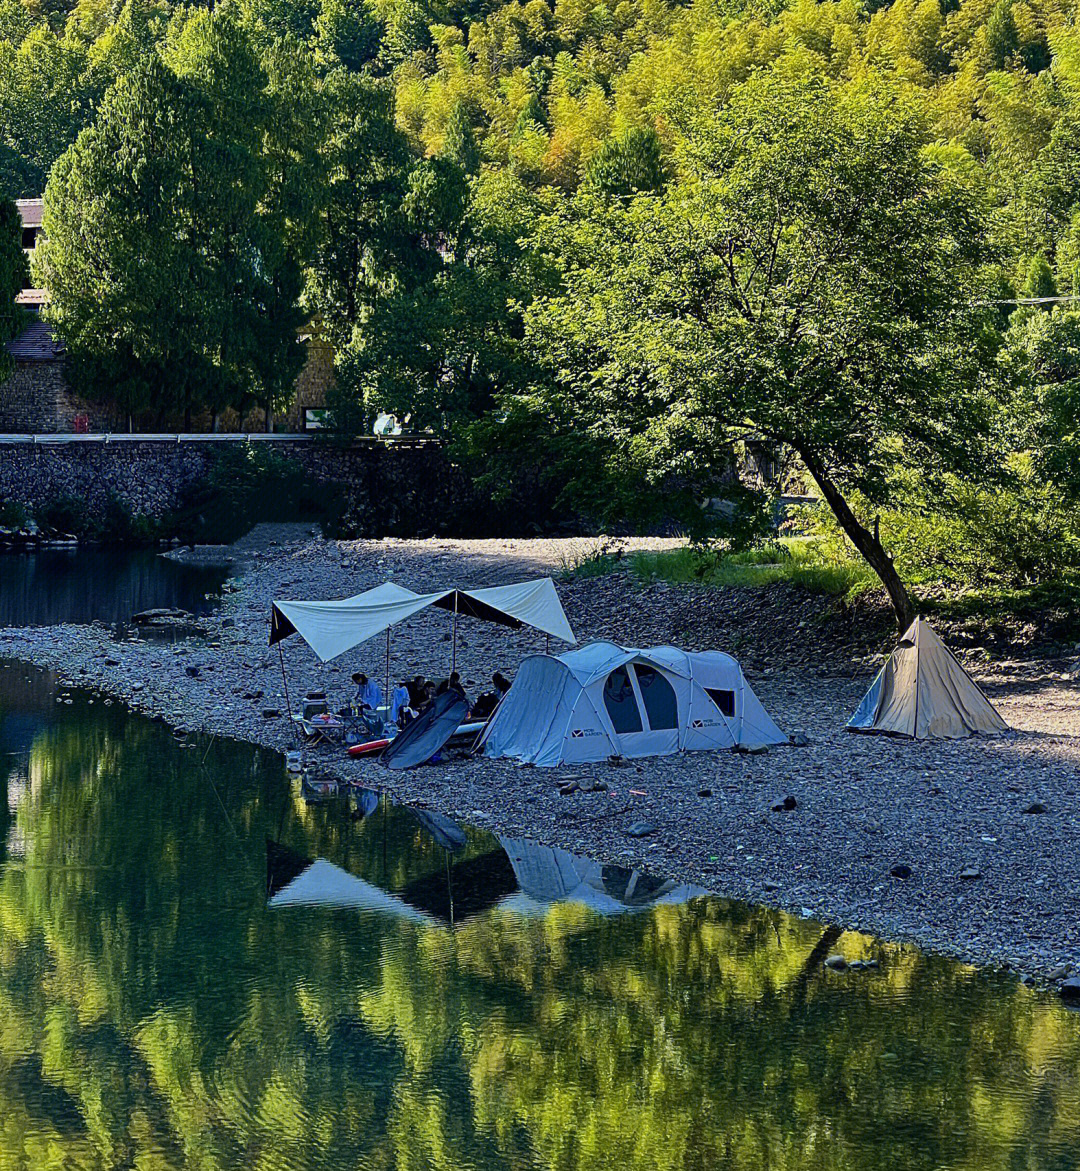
x: 158, y: 1007
x: 53, y: 586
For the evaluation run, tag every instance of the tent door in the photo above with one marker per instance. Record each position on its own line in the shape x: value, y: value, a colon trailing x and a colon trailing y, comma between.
x: 651, y: 728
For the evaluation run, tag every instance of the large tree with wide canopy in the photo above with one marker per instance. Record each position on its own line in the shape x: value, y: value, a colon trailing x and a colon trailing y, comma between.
x: 807, y: 278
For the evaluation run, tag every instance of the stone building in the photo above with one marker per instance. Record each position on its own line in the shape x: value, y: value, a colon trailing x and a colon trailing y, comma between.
x: 36, y: 399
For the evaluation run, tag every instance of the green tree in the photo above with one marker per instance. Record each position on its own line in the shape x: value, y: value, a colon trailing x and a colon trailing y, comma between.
x: 14, y: 274
x: 179, y: 166
x: 1042, y: 360
x: 1039, y: 281
x: 47, y: 95
x: 1001, y: 35
x: 627, y: 164
x: 807, y: 281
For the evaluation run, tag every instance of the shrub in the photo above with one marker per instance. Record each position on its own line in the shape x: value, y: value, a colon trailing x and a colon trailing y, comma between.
x: 249, y: 485
x: 13, y: 514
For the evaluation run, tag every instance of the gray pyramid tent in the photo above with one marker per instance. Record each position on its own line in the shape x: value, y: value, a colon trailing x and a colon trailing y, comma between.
x: 924, y: 692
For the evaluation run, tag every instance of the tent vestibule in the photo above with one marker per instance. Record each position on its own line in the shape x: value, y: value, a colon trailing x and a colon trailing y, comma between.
x: 605, y: 700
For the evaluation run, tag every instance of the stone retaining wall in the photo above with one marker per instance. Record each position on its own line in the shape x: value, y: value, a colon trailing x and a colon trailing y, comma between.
x: 36, y: 399
x: 390, y: 488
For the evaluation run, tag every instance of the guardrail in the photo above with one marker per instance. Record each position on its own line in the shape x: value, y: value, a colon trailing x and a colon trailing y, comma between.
x: 58, y: 438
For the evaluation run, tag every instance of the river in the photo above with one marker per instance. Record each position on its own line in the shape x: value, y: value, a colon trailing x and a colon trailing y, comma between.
x: 200, y: 969
x: 53, y: 586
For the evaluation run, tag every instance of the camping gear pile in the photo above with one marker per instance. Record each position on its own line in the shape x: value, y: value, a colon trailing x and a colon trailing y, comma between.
x: 333, y: 627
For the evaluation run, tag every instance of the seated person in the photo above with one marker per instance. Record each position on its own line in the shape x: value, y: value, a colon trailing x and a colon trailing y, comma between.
x: 452, y: 684
x: 489, y: 701
x: 417, y: 692
x: 428, y: 697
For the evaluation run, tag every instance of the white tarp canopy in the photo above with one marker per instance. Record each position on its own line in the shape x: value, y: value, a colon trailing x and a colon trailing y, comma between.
x: 923, y: 692
x: 605, y: 700
x: 331, y: 628
x: 322, y: 884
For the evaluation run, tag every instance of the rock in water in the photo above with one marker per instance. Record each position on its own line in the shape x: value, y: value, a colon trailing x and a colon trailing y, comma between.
x: 836, y: 962
x: 1035, y: 807
x: 1070, y: 990
x: 641, y: 829
x: 901, y: 870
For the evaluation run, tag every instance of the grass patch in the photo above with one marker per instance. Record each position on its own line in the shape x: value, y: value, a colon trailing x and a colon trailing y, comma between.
x: 597, y: 560
x: 1061, y: 596
x: 798, y: 561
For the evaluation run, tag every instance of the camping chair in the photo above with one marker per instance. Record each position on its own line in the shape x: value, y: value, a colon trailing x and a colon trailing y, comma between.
x: 361, y: 724
x: 316, y: 722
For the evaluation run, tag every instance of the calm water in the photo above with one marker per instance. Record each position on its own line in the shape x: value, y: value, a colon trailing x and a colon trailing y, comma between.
x: 105, y: 585
x: 167, y: 999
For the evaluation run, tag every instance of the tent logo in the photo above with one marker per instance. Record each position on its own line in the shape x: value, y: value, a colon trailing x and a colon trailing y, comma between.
x: 577, y: 733
x: 698, y: 724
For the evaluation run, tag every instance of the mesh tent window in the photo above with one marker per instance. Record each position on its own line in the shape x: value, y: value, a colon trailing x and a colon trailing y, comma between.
x: 724, y: 700
x: 658, y: 698
x: 621, y: 702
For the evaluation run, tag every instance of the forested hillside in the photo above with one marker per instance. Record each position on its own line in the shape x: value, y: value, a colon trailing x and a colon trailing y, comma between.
x: 604, y: 243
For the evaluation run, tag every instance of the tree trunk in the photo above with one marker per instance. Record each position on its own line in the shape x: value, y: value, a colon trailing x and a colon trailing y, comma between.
x: 865, y: 541
x: 269, y: 417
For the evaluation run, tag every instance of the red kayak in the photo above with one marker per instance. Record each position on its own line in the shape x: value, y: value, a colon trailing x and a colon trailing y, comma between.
x: 368, y: 748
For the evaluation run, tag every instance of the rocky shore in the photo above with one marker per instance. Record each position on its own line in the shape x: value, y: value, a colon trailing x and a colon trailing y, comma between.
x: 971, y: 849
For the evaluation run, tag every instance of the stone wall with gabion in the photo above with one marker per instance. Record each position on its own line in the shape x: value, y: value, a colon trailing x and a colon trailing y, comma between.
x: 401, y: 489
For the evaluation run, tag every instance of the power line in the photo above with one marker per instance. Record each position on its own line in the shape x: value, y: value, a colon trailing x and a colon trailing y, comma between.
x: 1028, y: 301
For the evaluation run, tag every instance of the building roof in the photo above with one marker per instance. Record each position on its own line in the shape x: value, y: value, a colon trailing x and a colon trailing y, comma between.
x: 36, y: 344
x: 30, y: 212
x: 32, y: 299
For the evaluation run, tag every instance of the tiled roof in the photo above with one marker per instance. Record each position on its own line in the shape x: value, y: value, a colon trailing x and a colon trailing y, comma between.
x: 36, y: 344
x: 31, y: 298
x: 30, y: 211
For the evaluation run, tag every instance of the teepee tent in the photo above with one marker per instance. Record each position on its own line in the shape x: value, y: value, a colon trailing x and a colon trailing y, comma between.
x: 923, y: 692
x: 606, y: 700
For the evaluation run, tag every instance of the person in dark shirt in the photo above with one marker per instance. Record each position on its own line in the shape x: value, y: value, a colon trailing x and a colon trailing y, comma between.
x: 489, y: 701
x: 451, y: 684
x: 417, y: 692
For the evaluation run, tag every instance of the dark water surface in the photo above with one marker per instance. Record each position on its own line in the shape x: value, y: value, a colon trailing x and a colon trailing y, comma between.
x: 53, y: 586
x: 172, y: 995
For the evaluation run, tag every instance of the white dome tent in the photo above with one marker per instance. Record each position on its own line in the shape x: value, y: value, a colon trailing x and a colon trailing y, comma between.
x: 605, y: 700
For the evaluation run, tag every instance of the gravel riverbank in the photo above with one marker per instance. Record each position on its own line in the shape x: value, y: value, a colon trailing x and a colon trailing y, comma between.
x: 866, y: 808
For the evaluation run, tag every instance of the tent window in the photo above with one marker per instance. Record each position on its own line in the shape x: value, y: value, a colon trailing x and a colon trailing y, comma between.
x: 724, y: 700
x: 621, y: 703
x: 658, y: 696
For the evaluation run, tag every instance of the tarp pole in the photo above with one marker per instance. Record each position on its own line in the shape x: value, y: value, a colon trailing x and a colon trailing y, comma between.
x: 288, y: 701
x: 386, y: 698
x: 453, y: 653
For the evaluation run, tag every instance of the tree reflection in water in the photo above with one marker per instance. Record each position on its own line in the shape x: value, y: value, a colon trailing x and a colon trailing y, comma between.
x: 155, y: 1012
